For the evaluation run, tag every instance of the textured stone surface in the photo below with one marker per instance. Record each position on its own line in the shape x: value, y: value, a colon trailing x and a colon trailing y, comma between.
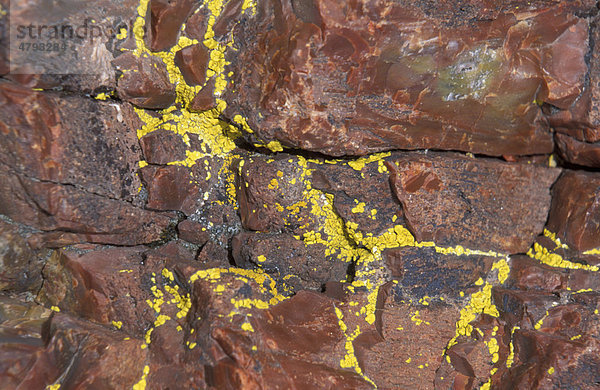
x: 351, y: 84
x: 578, y: 152
x: 475, y: 203
x: 164, y: 20
x: 145, y: 81
x: 575, y: 212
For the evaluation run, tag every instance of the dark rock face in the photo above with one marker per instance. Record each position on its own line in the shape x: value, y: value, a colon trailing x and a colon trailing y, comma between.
x: 480, y: 203
x: 353, y: 85
x: 164, y: 20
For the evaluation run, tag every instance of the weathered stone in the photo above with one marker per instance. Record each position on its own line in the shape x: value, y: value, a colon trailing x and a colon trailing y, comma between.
x: 205, y: 99
x: 20, y: 265
x: 423, y: 272
x: 71, y: 215
x: 578, y: 152
x: 352, y: 85
x: 193, y: 232
x: 103, y: 357
x: 145, y: 81
x: 162, y: 147
x: 475, y: 203
x: 193, y: 62
x: 272, y: 195
x: 164, y: 20
x: 288, y: 260
x: 170, y: 188
x: 355, y: 204
x: 195, y: 27
x: 575, y: 212
x: 80, y: 142
x: 581, y: 120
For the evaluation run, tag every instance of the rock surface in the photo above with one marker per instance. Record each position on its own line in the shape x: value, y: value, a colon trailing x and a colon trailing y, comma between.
x: 177, y: 221
x: 352, y: 85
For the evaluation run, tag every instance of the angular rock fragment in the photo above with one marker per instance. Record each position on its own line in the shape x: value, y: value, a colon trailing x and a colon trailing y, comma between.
x: 578, y: 152
x: 170, y: 188
x: 162, y: 147
x: 337, y: 80
x: 575, y: 213
x: 145, y: 82
x: 193, y: 62
x: 288, y: 260
x: 193, y: 232
x: 205, y: 99
x: 164, y: 20
x: 475, y: 203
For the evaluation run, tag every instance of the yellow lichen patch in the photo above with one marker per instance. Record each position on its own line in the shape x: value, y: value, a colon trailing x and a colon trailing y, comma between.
x: 493, y: 349
x: 55, y: 386
x: 55, y: 308
x: 511, y: 354
x: 503, y: 270
x: 595, y: 251
x: 141, y: 384
x: 360, y: 163
x: 417, y: 319
x: 247, y: 327
x: 554, y: 239
x: 350, y: 360
x: 101, y: 96
x: 551, y: 370
x: 552, y: 259
x: 359, y: 208
x: 117, y: 324
x: 539, y: 324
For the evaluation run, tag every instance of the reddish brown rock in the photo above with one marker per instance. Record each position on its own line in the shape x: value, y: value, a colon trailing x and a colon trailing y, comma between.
x: 164, y: 20
x: 575, y: 212
x: 20, y: 264
x: 288, y: 260
x: 71, y: 215
x: 271, y: 195
x: 145, y: 81
x: 193, y: 232
x: 205, y: 99
x: 162, y: 147
x: 170, y: 188
x: 102, y: 357
x: 193, y: 62
x: 581, y: 120
x: 352, y: 85
x: 80, y: 142
x: 476, y: 203
x: 578, y: 152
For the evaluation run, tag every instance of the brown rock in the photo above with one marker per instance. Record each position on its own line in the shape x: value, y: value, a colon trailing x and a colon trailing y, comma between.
x: 193, y: 62
x: 288, y: 260
x: 165, y: 20
x: 170, y: 188
x: 162, y: 147
x: 193, y: 232
x: 102, y: 357
x: 80, y: 142
x: 205, y: 99
x: 145, y: 81
x: 581, y: 120
x: 578, y: 152
x: 476, y: 203
x: 21, y: 341
x: 20, y: 265
x: 352, y: 85
x: 195, y: 27
x: 575, y: 212
x: 72, y: 215
x: 271, y: 195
